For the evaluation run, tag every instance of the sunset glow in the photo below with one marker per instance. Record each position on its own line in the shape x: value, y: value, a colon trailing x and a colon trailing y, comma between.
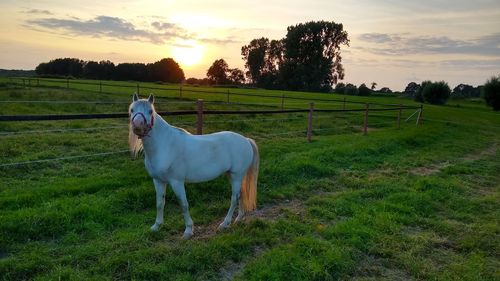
x: 391, y: 42
x: 188, y: 55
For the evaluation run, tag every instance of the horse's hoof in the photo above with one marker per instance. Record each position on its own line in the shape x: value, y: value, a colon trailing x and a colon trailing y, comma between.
x: 155, y: 227
x: 223, y: 226
x: 187, y: 235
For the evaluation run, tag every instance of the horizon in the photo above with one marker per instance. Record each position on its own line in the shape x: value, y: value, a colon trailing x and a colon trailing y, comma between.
x: 391, y: 43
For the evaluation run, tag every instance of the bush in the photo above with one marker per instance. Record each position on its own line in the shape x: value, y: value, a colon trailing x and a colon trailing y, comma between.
x: 350, y: 89
x: 340, y: 88
x: 363, y: 90
x: 418, y: 97
x: 436, y: 93
x: 491, y: 92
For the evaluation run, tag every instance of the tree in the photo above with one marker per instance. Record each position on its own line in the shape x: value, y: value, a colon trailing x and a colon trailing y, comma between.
x: 196, y: 81
x: 385, y: 90
x: 374, y: 84
x: 411, y: 89
x: 218, y: 72
x: 363, y: 90
x: 351, y: 89
x: 312, y: 59
x: 463, y: 91
x: 236, y: 76
x: 61, y: 67
x: 106, y: 69
x: 91, y: 70
x: 308, y: 58
x: 165, y: 70
x: 130, y: 71
x: 340, y: 88
x: 491, y: 92
x: 435, y: 93
x: 262, y: 59
x: 418, y: 97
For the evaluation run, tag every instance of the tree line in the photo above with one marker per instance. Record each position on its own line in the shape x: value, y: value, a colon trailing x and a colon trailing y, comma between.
x: 307, y: 59
x: 164, y: 70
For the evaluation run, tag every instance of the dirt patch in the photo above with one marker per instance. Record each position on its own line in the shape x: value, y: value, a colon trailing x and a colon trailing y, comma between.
x: 429, y: 170
x: 231, y: 269
x: 490, y: 151
x: 269, y: 212
x: 375, y: 268
x: 272, y: 212
x: 437, y: 167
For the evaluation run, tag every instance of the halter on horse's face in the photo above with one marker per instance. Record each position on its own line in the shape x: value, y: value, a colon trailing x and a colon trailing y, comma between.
x: 142, y: 115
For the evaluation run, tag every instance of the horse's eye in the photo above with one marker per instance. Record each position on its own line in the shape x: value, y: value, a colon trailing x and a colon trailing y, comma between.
x: 150, y: 111
x: 132, y: 110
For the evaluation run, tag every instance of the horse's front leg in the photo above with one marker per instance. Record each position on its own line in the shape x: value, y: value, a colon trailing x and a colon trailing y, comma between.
x: 180, y: 192
x: 160, y: 203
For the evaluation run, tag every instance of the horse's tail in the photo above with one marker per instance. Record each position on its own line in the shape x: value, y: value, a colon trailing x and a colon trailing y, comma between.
x: 248, y: 196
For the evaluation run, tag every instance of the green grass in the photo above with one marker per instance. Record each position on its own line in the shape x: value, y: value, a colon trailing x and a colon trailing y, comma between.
x: 421, y: 202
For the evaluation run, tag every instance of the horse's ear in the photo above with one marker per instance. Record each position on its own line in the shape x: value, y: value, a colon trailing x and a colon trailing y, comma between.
x: 135, y: 97
x: 151, y: 98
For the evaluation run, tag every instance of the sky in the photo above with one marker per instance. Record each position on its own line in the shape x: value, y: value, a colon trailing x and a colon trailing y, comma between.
x: 392, y: 42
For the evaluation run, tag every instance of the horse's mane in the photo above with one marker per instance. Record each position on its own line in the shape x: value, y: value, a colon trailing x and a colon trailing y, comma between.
x: 180, y: 129
x: 134, y: 143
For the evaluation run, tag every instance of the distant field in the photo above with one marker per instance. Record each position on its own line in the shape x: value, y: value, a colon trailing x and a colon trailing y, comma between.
x: 416, y: 203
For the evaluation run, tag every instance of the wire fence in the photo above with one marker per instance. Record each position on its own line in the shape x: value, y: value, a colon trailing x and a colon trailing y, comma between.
x: 200, y: 112
x: 179, y: 91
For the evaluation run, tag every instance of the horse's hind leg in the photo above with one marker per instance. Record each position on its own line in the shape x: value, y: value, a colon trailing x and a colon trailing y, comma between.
x: 235, y: 196
x: 180, y: 192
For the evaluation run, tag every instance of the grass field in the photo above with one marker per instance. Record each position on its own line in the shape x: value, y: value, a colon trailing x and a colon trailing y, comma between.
x: 418, y: 203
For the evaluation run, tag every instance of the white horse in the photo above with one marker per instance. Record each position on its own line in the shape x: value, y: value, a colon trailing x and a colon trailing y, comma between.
x: 174, y: 156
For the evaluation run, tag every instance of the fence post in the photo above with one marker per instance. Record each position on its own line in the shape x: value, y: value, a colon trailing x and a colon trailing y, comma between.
x: 199, y: 120
x: 399, y: 115
x: 419, y: 117
x: 67, y: 83
x: 228, y: 96
x: 365, y: 125
x: 180, y: 91
x: 100, y: 86
x: 24, y: 83
x: 29, y: 82
x: 309, y: 122
x: 282, y: 101
x: 37, y: 82
x: 343, y: 107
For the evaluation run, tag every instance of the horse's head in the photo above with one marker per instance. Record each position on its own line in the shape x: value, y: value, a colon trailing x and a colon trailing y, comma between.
x: 142, y: 115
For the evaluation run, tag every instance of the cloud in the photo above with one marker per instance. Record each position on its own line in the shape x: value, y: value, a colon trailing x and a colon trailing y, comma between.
x: 379, y: 37
x: 490, y: 65
x: 218, y: 41
x: 160, y: 32
x: 405, y: 44
x: 163, y: 25
x: 104, y: 26
x: 37, y: 11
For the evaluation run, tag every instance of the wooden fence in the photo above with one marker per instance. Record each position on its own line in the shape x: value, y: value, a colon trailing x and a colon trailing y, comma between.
x: 200, y: 112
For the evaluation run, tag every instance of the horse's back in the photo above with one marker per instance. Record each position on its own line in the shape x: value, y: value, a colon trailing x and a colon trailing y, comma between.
x: 230, y: 149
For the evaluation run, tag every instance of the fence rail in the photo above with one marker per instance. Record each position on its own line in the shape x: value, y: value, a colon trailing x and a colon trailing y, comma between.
x: 57, y: 117
x: 35, y: 82
x: 200, y: 112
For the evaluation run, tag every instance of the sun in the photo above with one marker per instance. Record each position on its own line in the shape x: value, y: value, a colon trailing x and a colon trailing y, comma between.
x: 188, y: 54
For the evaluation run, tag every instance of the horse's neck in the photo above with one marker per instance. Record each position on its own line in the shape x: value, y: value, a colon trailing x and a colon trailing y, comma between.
x: 160, y: 136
